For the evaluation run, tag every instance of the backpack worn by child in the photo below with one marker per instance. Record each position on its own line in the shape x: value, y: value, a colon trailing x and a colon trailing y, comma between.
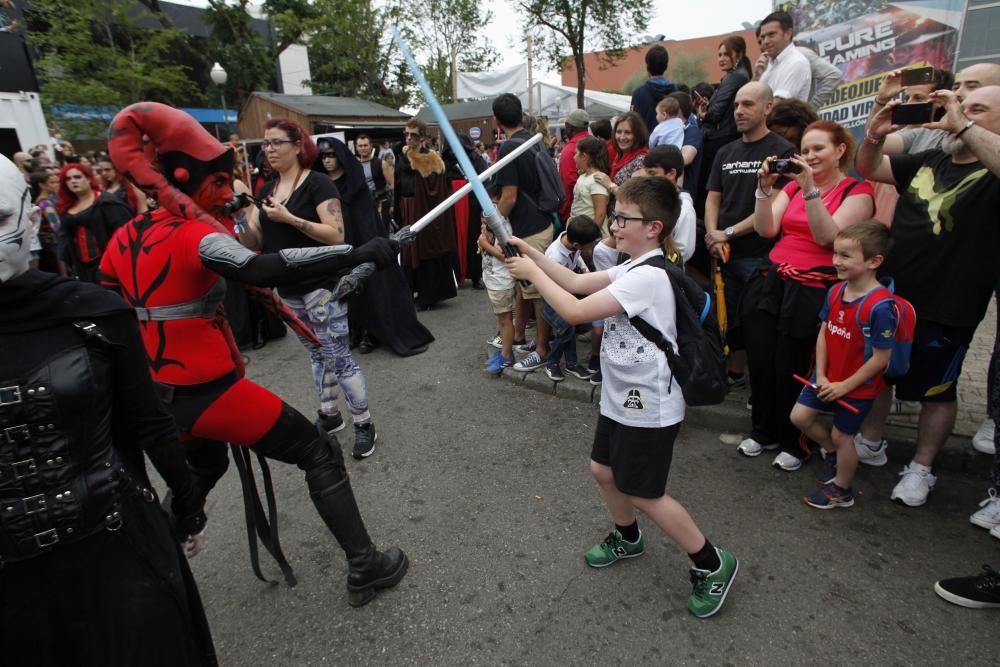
x: 551, y: 194
x: 699, y: 362
x: 899, y: 362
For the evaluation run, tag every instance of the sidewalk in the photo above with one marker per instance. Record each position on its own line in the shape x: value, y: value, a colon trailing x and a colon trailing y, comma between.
x: 732, y: 415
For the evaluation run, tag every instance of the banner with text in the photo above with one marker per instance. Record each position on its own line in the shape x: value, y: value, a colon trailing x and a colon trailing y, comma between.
x: 867, y: 39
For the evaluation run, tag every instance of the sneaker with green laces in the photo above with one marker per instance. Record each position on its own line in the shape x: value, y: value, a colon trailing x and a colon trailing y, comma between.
x: 613, y: 549
x: 711, y: 588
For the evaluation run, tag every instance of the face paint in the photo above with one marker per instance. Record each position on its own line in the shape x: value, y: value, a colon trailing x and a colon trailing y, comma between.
x: 214, y: 192
x: 17, y: 218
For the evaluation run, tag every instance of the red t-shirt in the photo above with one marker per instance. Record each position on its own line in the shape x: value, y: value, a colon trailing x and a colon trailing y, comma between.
x: 154, y: 261
x: 797, y: 246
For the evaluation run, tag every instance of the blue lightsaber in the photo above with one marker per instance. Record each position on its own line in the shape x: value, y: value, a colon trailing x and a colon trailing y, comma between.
x: 493, y: 218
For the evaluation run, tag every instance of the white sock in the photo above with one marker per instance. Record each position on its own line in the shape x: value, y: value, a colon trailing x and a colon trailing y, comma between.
x: 873, y: 445
x: 917, y: 467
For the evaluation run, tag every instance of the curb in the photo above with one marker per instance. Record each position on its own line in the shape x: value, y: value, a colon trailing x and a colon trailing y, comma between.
x: 732, y: 416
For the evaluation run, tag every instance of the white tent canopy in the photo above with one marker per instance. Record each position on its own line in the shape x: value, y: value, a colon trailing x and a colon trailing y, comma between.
x: 557, y: 101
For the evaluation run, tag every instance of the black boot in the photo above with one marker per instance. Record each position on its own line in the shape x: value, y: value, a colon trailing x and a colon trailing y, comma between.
x: 369, y: 570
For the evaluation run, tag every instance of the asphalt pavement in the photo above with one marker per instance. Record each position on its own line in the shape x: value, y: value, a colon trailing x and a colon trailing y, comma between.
x: 485, y: 484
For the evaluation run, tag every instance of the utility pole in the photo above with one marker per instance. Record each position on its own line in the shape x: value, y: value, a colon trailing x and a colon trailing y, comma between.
x: 531, y: 92
x: 454, y: 74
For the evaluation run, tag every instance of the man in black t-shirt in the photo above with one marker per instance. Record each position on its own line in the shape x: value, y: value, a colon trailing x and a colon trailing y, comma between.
x: 730, y: 204
x: 947, y: 240
x: 519, y: 204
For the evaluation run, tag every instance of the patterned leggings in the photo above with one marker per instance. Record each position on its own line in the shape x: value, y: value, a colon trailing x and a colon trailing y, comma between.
x: 332, y: 363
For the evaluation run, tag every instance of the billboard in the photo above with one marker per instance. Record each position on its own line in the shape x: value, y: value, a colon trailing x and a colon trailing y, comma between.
x: 866, y: 39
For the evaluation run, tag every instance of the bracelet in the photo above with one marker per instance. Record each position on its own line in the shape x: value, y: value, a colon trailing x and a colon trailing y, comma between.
x: 879, y: 101
x: 812, y: 194
x: 874, y: 141
x: 965, y: 129
x: 760, y: 194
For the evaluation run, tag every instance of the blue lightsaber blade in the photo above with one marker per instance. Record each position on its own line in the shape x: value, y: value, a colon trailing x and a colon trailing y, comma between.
x: 493, y: 218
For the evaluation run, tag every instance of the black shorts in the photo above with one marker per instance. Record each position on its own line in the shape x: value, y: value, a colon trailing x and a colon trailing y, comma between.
x: 638, y: 457
x: 935, y: 363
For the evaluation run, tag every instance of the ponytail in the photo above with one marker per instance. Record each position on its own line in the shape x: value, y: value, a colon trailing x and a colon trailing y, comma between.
x: 670, y: 250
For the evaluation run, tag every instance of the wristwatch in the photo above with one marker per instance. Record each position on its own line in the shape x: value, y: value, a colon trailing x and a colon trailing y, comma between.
x: 730, y: 231
x: 812, y: 194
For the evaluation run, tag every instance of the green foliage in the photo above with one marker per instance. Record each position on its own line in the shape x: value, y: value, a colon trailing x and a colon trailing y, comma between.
x: 687, y: 68
x: 634, y: 81
x: 239, y: 49
x: 581, y: 26
x: 93, y: 54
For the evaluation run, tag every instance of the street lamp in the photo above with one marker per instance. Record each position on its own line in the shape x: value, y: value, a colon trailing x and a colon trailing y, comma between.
x: 219, y: 78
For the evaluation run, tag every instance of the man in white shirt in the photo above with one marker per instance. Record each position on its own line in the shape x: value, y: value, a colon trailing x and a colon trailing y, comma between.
x: 780, y: 65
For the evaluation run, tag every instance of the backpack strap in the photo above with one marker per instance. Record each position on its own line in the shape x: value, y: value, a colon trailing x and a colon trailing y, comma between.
x: 863, y: 316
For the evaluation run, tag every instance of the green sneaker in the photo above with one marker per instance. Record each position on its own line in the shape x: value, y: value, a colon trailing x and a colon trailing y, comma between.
x: 710, y: 588
x: 613, y: 549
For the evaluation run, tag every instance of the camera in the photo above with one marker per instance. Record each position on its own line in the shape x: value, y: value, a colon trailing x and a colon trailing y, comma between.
x: 784, y: 166
x: 241, y: 200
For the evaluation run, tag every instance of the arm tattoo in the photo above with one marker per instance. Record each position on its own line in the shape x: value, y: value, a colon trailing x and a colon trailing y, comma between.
x: 333, y: 208
x: 304, y: 225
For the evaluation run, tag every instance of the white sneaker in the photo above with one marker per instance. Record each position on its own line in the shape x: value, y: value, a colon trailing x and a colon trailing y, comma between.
x: 869, y: 456
x: 982, y: 441
x: 989, y: 516
x: 750, y: 447
x: 914, y: 488
x: 787, y: 462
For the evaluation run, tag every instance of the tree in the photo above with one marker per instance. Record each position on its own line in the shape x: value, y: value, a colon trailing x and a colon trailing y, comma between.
x: 238, y: 48
x: 447, y: 26
x: 687, y: 67
x: 581, y: 25
x: 92, y: 54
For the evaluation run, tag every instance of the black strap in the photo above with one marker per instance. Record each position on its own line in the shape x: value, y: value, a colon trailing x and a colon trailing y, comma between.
x: 257, y: 522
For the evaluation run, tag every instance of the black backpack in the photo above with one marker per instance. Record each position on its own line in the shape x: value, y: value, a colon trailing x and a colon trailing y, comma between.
x: 699, y: 363
x: 551, y: 194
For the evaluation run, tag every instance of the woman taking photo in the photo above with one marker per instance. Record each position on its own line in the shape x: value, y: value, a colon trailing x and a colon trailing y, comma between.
x: 781, y: 306
x: 590, y: 198
x: 631, y: 144
x: 383, y: 312
x: 88, y: 218
x: 302, y: 209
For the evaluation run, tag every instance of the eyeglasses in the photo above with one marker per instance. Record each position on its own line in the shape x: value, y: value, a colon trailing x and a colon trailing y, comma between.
x: 620, y: 220
x: 411, y: 135
x: 327, y: 155
x: 274, y: 143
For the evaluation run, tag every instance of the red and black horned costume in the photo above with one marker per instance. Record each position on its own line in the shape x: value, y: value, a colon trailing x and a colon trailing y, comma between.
x: 167, y: 265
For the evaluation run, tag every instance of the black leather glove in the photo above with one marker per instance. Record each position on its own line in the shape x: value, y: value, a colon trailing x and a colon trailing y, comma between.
x: 353, y: 282
x: 404, y: 236
x: 379, y: 251
x: 191, y: 524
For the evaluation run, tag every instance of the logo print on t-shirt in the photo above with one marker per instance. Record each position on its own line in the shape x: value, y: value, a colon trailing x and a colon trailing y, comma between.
x: 634, y: 400
x: 840, y: 317
x: 924, y: 188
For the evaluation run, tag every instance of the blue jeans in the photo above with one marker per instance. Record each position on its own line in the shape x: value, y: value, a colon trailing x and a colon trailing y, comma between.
x: 333, y: 367
x: 564, y: 343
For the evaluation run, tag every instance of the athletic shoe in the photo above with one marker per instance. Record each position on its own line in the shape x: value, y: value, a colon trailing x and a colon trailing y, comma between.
x: 329, y: 423
x: 364, y: 440
x: 580, y: 372
x: 596, y: 378
x: 498, y: 362
x: 871, y: 457
x: 914, y: 488
x: 830, y: 496
x: 988, y: 516
x: 528, y: 346
x: 709, y: 589
x: 531, y: 362
x: 980, y: 591
x: 614, y: 549
x: 982, y: 441
x: 787, y: 462
x: 829, y: 466
x: 554, y: 372
x: 737, y: 381
x: 750, y: 447
x: 495, y: 341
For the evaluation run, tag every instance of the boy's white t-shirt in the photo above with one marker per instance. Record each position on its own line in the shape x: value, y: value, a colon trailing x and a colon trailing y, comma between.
x: 496, y: 277
x: 684, y: 230
x: 569, y: 258
x: 638, y: 388
x: 604, y: 256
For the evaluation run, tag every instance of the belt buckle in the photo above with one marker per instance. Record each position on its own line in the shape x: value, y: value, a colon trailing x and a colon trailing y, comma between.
x: 29, y: 467
x: 10, y: 395
x: 34, y: 504
x: 19, y: 430
x: 47, y: 538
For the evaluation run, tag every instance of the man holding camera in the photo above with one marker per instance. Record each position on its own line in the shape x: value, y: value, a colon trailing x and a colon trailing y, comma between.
x: 944, y: 261
x: 730, y: 205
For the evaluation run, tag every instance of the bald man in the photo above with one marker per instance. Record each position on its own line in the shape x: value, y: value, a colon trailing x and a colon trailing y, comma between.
x: 23, y: 162
x: 947, y: 239
x: 914, y: 139
x: 729, y: 208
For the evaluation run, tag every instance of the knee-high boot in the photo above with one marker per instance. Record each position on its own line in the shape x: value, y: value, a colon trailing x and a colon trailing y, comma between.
x: 293, y: 439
